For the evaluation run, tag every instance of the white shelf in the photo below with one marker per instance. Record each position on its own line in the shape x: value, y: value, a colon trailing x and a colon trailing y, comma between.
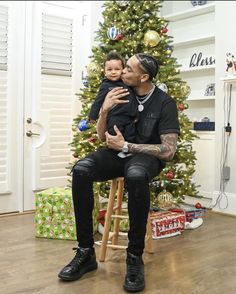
x: 194, y: 41
x: 204, y: 132
x: 197, y: 68
x: 191, y: 12
x: 230, y: 79
x: 201, y: 98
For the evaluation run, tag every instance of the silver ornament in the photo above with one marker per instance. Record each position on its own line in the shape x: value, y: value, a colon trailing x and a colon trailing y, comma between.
x: 163, y: 87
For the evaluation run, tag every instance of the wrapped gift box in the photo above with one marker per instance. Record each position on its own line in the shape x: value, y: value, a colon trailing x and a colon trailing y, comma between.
x: 191, y: 212
x: 54, y: 214
x: 167, y: 223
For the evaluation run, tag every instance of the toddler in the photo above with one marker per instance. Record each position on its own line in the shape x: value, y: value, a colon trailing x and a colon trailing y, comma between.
x: 122, y: 115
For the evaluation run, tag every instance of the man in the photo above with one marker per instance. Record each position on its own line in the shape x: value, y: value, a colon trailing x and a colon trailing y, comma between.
x: 157, y: 129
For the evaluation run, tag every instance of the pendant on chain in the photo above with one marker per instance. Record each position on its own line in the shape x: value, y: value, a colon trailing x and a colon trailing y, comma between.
x: 140, y: 107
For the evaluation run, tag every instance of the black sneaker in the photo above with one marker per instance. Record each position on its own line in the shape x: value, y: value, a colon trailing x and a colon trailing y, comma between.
x: 134, y: 280
x: 83, y: 262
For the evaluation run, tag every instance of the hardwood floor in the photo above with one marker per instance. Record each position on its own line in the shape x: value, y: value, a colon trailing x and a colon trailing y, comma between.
x: 198, y: 261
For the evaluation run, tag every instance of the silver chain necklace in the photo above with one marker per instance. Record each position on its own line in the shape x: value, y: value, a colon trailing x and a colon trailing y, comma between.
x: 144, y: 99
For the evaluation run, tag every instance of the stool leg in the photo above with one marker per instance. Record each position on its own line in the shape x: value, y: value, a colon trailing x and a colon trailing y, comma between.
x: 148, y: 238
x: 118, y: 211
x: 107, y: 224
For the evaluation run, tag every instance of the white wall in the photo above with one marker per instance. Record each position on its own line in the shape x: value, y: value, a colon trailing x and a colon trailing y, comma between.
x: 225, y: 42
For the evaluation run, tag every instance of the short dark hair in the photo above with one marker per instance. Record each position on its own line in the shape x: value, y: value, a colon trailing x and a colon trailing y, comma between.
x: 113, y: 55
x: 148, y: 64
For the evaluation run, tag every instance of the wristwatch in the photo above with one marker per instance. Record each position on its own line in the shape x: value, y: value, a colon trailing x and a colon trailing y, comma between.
x: 125, y: 148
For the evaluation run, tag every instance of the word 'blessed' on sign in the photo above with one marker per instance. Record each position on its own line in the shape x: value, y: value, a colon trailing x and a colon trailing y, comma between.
x: 198, y: 60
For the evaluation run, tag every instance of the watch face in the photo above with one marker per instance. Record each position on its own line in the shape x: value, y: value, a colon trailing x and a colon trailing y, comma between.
x: 125, y: 148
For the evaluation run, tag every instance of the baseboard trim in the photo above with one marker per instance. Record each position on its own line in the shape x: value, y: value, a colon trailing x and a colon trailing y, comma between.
x: 15, y: 213
x: 224, y: 213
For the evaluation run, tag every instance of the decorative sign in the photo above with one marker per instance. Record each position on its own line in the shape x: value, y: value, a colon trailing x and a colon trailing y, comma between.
x: 197, y: 60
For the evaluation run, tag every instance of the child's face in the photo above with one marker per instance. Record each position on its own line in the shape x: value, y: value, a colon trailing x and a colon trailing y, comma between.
x: 113, y: 70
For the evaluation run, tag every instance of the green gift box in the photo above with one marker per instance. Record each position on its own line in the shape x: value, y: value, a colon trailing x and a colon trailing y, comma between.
x: 54, y: 214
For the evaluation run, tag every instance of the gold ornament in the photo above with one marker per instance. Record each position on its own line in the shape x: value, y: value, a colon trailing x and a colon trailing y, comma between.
x: 74, y: 128
x: 92, y: 68
x: 186, y: 90
x: 165, y: 199
x: 151, y: 38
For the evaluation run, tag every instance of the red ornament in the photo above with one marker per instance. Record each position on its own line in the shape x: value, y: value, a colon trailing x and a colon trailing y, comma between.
x: 198, y: 205
x: 101, y: 216
x: 120, y: 36
x: 75, y: 155
x: 164, y: 30
x: 170, y: 175
x: 181, y: 107
x: 92, y: 140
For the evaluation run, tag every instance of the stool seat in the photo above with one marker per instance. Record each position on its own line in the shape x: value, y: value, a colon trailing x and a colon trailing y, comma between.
x: 114, y: 211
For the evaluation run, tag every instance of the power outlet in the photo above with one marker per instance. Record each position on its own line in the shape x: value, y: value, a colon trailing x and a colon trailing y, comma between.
x: 226, y: 173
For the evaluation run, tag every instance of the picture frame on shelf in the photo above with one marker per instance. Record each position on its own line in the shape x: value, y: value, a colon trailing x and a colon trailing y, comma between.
x: 210, y: 90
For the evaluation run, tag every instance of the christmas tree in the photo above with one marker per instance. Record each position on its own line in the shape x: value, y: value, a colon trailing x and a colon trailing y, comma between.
x: 131, y: 27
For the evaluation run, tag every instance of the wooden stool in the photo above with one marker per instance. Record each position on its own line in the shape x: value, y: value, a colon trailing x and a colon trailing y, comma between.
x: 116, y: 190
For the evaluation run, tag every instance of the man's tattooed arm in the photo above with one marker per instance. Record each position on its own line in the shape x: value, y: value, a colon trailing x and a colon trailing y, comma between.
x: 165, y: 150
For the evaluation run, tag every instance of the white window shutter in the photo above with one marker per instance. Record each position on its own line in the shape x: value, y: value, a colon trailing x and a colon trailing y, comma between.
x: 56, y: 45
x: 56, y: 99
x: 4, y: 128
x: 3, y: 37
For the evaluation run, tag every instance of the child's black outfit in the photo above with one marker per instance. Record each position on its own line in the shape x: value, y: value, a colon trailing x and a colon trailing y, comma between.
x: 123, y: 115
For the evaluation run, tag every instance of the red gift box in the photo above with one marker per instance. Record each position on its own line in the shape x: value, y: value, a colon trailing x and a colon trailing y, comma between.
x: 167, y: 223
